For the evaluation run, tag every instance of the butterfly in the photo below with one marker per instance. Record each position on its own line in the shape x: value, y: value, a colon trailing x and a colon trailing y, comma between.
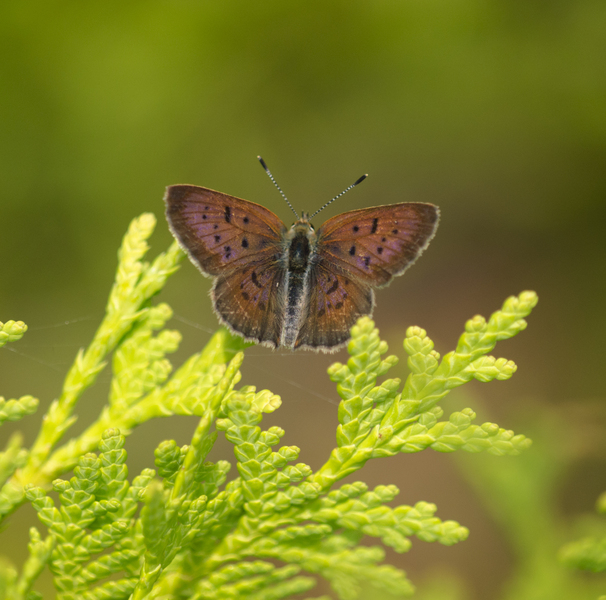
x: 297, y: 287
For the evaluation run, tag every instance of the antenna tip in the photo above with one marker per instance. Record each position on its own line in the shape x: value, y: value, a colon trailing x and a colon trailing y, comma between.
x: 361, y: 179
x: 262, y: 162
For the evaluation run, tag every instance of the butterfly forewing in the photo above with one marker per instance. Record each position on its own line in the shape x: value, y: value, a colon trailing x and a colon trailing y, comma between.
x: 374, y: 244
x: 221, y: 232
x: 336, y: 301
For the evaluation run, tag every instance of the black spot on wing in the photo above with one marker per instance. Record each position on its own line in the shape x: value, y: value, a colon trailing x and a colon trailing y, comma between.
x: 334, y: 287
x: 375, y: 224
x: 244, y: 243
x: 255, y: 280
x: 352, y: 251
x: 227, y: 214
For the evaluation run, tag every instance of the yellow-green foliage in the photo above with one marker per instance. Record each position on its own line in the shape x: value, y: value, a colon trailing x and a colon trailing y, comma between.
x: 190, y: 528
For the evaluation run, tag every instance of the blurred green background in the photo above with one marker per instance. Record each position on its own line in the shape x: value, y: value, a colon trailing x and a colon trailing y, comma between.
x: 495, y: 111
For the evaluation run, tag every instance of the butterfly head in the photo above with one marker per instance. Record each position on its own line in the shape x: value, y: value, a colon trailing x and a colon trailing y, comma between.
x: 302, y: 228
x: 305, y: 218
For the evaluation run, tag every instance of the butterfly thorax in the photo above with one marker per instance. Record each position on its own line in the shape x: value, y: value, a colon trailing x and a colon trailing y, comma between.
x: 301, y: 240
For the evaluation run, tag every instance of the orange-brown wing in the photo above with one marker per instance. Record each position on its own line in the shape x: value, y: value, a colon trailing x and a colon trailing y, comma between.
x: 251, y: 301
x: 375, y: 244
x: 221, y: 233
x: 336, y: 302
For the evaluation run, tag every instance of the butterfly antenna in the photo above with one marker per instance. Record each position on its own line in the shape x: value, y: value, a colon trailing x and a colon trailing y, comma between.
x: 339, y: 195
x: 274, y: 182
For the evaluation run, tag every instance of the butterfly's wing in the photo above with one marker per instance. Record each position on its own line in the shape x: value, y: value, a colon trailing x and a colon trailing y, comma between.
x: 375, y: 244
x: 336, y: 301
x: 357, y: 250
x: 240, y: 244
x: 221, y: 233
x: 251, y: 300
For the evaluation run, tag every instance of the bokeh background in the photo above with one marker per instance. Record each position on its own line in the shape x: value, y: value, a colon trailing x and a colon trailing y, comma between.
x: 495, y: 111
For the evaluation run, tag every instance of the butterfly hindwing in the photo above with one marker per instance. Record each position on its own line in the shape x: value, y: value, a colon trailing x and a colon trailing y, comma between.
x: 375, y: 244
x: 221, y: 232
x: 335, y: 303
x: 251, y: 301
